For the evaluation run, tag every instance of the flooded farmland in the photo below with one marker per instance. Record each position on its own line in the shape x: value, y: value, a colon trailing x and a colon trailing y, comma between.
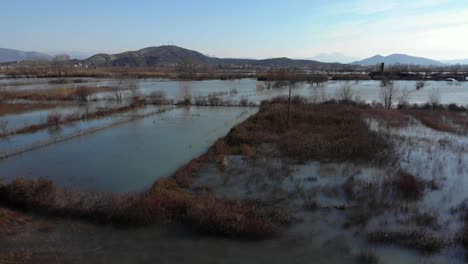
x: 338, y: 211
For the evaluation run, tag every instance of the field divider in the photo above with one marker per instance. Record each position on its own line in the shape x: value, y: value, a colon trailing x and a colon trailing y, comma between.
x: 79, y: 133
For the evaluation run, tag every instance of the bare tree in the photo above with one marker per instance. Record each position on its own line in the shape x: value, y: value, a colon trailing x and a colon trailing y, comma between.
x: 420, y: 85
x: 82, y: 93
x: 133, y: 87
x: 403, y: 97
x: 434, y: 97
x: 59, y: 63
x: 345, y: 92
x: 4, y: 126
x: 388, y: 94
x: 186, y: 69
x: 53, y: 119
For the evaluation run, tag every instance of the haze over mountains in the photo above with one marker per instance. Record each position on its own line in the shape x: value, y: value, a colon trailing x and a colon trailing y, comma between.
x: 171, y: 55
x: 7, y: 55
x: 334, y: 57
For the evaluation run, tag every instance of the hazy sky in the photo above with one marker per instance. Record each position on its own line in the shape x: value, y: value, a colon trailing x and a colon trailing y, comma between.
x: 255, y: 28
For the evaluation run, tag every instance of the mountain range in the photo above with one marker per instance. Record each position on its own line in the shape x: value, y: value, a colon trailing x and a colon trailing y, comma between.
x: 172, y: 55
x: 402, y: 59
x: 8, y: 55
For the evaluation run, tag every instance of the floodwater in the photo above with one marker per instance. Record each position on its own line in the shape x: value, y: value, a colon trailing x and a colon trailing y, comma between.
x: 129, y: 157
x: 254, y: 91
x: 432, y: 155
x: 229, y: 90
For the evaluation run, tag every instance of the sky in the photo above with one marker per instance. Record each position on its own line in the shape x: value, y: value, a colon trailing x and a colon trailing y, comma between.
x: 436, y: 29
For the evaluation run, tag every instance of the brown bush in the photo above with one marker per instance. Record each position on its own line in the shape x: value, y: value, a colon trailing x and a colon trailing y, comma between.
x: 82, y: 93
x: 433, y: 120
x: 17, y: 108
x: 17, y: 257
x: 367, y: 257
x: 54, y: 119
x: 10, y: 220
x: 416, y: 238
x: 408, y: 186
x: 392, y: 117
x: 53, y: 94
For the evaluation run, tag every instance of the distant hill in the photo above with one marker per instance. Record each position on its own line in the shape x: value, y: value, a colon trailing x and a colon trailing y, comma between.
x: 171, y: 55
x: 10, y: 55
x: 398, y: 59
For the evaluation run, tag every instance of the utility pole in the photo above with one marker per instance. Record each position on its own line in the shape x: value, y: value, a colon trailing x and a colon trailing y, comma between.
x: 289, y: 105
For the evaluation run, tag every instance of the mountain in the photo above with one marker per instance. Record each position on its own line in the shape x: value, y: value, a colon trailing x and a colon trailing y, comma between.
x: 9, y: 55
x: 334, y: 57
x: 398, y: 59
x: 454, y: 62
x: 151, y: 56
x: 172, y: 55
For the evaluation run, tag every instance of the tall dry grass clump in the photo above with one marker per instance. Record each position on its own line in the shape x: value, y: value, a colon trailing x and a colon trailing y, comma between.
x: 166, y: 202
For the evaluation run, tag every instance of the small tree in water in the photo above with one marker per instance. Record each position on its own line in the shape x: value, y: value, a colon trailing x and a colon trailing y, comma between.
x: 388, y: 93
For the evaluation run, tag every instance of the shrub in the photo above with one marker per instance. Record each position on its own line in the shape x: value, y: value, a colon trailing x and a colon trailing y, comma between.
x: 54, y: 119
x: 213, y: 100
x: 408, y: 186
x: 185, y: 101
x: 157, y: 98
x: 367, y: 257
x: 415, y: 238
x: 82, y: 93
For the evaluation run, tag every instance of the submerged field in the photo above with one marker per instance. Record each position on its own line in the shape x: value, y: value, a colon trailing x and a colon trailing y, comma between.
x: 164, y: 179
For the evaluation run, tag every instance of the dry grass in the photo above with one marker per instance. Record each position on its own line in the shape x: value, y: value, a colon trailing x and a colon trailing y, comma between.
x: 18, y: 108
x: 434, y: 120
x: 367, y: 257
x: 166, y: 202
x: 392, y: 117
x: 416, y: 238
x: 16, y: 257
x: 449, y: 119
x: 53, y: 94
x: 10, y: 221
x: 327, y: 132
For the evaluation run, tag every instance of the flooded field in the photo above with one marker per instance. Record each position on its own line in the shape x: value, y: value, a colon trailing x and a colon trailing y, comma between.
x: 401, y: 202
x: 129, y: 157
x: 255, y: 91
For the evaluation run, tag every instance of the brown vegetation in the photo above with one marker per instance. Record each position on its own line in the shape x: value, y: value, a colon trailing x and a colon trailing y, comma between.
x: 16, y: 257
x: 164, y: 203
x: 451, y: 118
x: 415, y: 238
x: 367, y: 257
x: 54, y: 94
x: 18, y: 108
x: 327, y: 132
x: 407, y: 186
x: 10, y: 220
